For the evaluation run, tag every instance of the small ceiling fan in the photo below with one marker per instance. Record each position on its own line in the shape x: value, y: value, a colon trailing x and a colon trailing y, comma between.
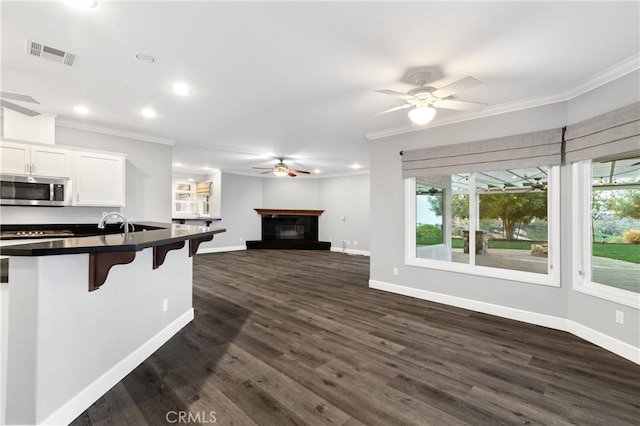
x: 17, y: 108
x: 282, y: 170
x: 424, y: 99
x: 536, y: 186
x: 430, y: 191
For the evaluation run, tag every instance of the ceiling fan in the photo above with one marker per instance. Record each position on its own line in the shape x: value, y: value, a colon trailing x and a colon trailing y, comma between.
x: 424, y: 99
x: 282, y: 170
x: 17, y: 108
x: 430, y: 191
x: 526, y: 187
x: 537, y: 185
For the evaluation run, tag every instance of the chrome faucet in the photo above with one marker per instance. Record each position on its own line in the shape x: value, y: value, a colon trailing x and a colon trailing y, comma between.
x: 125, y: 221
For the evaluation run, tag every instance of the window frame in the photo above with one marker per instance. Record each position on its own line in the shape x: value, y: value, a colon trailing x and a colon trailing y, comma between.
x: 552, y: 278
x: 582, y: 244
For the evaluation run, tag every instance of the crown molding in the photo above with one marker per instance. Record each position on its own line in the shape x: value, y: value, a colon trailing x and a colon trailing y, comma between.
x: 610, y: 74
x: 113, y: 132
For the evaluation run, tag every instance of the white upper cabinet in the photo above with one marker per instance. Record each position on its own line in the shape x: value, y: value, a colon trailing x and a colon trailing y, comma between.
x: 98, y: 180
x: 54, y: 162
x: 32, y: 160
x: 15, y: 158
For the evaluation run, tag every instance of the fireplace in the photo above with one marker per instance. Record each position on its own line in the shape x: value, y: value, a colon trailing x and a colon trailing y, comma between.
x: 289, y: 229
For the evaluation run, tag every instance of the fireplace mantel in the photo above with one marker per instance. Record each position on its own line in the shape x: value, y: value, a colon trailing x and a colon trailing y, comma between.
x: 283, y: 212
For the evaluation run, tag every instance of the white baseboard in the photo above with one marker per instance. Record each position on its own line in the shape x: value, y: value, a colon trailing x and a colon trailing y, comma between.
x: 616, y: 346
x: 350, y: 251
x: 83, y: 400
x: 220, y: 249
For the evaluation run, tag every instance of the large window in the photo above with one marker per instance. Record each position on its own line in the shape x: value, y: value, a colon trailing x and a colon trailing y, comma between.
x: 496, y: 223
x: 608, y: 230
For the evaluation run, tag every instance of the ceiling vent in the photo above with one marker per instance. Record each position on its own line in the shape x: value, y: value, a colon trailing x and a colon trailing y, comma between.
x: 51, y: 53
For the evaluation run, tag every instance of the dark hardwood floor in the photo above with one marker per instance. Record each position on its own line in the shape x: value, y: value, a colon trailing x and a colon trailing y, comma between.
x: 297, y: 337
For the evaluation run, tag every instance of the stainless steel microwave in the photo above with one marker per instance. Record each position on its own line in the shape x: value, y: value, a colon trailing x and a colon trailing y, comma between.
x: 34, y: 191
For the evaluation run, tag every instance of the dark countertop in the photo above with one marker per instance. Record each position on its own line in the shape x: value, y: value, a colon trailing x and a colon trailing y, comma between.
x: 148, y: 234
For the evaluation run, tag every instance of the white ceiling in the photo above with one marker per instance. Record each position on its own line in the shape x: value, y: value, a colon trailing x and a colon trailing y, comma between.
x: 297, y: 79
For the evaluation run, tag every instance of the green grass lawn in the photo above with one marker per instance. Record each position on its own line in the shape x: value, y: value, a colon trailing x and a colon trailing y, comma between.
x: 625, y: 252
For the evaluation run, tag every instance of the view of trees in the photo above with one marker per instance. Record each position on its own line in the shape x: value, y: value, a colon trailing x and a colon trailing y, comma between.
x: 513, y: 209
x: 614, y: 212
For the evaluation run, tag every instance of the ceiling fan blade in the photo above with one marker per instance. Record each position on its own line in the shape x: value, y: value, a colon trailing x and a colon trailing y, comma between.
x: 18, y: 97
x: 264, y: 173
x: 455, y: 87
x: 301, y: 171
x: 291, y: 174
x: 405, y: 106
x: 635, y: 164
x: 394, y: 93
x: 459, y: 105
x: 18, y: 108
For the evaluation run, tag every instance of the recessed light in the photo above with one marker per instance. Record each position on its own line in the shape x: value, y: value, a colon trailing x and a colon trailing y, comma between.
x: 355, y: 166
x: 83, y: 4
x: 81, y: 109
x: 178, y: 164
x: 147, y: 59
x: 317, y: 171
x: 148, y: 112
x: 180, y: 88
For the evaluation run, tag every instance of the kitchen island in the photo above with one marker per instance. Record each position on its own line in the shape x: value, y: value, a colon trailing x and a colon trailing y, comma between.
x: 84, y: 311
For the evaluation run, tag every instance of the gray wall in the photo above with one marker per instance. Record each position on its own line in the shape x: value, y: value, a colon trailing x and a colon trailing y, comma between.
x: 387, y: 218
x: 594, y: 312
x: 148, y: 181
x: 290, y: 193
x: 348, y: 197
x: 240, y: 195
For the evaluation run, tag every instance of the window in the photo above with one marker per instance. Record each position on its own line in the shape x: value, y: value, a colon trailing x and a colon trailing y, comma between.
x: 498, y: 223
x: 608, y: 230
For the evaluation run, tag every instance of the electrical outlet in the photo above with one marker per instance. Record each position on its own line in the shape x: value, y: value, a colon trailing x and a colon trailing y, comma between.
x: 165, y: 305
x: 395, y: 271
x: 620, y: 317
x: 241, y: 239
x: 355, y: 243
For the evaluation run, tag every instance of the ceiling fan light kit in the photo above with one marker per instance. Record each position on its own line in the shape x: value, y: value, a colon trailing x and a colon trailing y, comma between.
x: 423, y: 100
x: 422, y: 114
x: 282, y: 170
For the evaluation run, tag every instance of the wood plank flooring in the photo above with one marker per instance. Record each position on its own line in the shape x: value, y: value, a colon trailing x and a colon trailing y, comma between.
x: 298, y: 338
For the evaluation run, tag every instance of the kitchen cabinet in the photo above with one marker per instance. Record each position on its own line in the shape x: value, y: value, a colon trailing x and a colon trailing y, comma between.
x: 34, y: 160
x: 98, y: 180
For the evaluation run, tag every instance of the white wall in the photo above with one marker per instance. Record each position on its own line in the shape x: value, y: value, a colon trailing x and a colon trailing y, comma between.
x: 346, y: 197
x: 148, y: 182
x: 517, y: 298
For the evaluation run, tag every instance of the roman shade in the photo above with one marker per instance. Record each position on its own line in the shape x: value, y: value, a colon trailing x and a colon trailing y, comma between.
x: 605, y: 135
x: 543, y: 148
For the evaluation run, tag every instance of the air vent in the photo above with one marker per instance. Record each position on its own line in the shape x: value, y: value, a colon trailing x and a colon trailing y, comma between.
x: 51, y: 53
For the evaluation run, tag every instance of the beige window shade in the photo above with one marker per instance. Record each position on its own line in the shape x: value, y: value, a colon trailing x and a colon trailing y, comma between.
x: 606, y: 135
x: 203, y: 188
x: 541, y: 148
